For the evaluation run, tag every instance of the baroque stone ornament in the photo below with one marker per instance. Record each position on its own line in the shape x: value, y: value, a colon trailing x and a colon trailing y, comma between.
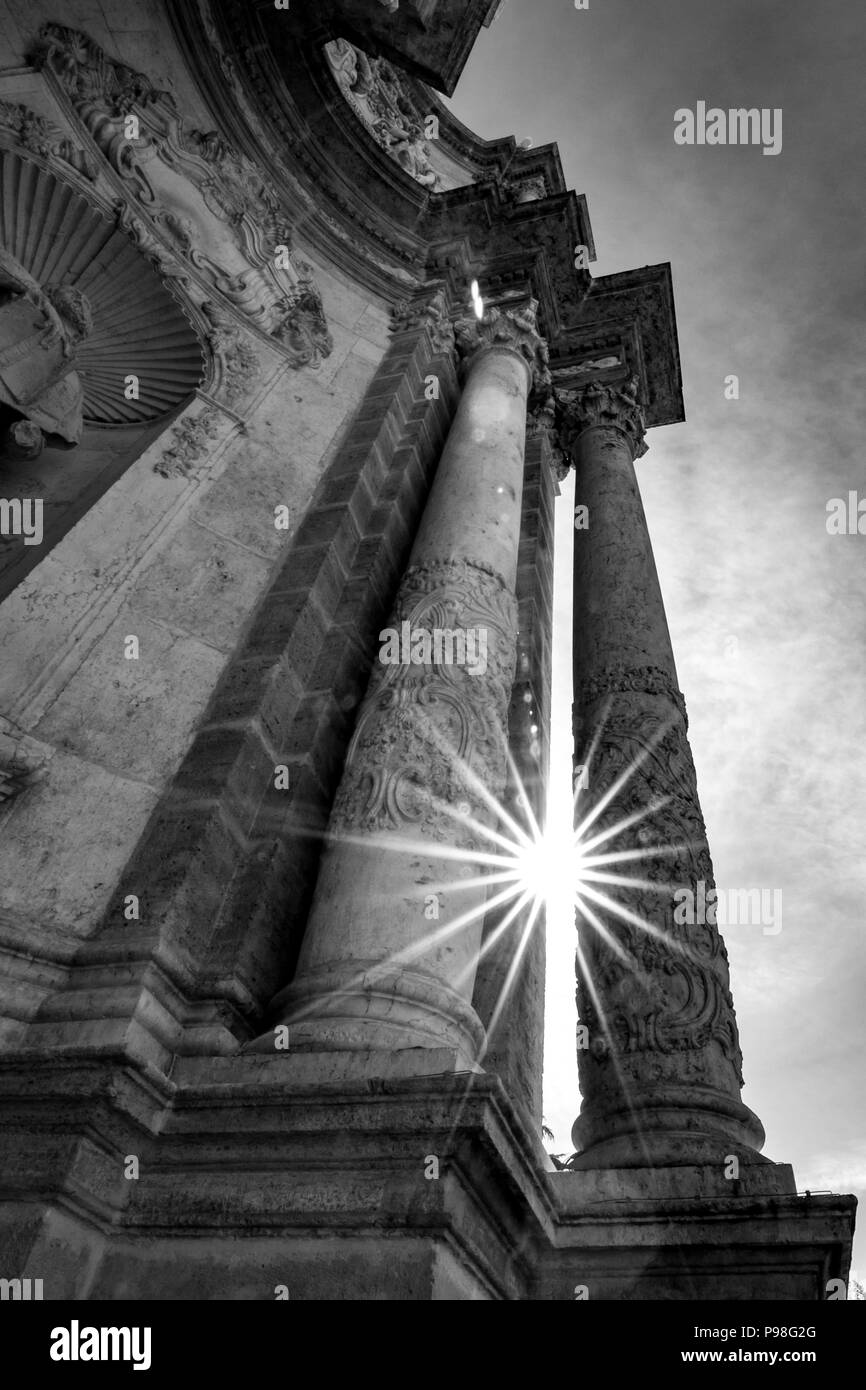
x: 42, y: 138
x: 515, y: 329
x: 430, y: 732
x: 541, y: 422
x: 236, y: 359
x: 186, y: 189
x: 600, y: 405
x: 431, y: 313
x: 376, y: 93
x: 193, y: 438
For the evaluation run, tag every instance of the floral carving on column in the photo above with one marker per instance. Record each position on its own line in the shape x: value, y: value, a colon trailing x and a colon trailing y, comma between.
x: 423, y: 725
x: 670, y: 994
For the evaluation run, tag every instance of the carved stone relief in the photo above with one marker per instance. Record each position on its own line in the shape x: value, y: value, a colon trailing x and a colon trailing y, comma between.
x: 193, y: 439
x: 654, y: 986
x: 430, y: 312
x: 183, y: 189
x: 422, y: 725
x: 515, y: 328
x: 375, y: 92
x: 41, y: 137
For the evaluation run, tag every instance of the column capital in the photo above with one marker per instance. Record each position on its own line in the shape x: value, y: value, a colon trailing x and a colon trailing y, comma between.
x: 514, y: 330
x: 601, y: 405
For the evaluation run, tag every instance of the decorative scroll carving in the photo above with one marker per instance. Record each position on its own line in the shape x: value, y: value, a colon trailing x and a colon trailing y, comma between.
x: 600, y: 404
x: 188, y: 187
x: 41, y: 137
x: 430, y: 313
x: 513, y: 328
x: 671, y: 993
x: 375, y: 92
x: 422, y: 725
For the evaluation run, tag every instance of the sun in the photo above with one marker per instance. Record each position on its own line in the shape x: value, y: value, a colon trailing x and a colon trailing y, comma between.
x: 550, y: 866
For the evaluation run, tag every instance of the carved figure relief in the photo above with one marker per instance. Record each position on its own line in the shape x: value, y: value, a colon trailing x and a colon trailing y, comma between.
x: 373, y: 89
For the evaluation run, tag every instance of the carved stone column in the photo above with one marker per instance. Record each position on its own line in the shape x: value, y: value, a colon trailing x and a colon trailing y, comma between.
x: 383, y: 964
x: 661, y: 1075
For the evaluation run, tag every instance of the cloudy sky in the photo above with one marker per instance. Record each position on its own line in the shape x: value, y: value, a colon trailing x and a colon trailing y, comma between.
x: 767, y: 610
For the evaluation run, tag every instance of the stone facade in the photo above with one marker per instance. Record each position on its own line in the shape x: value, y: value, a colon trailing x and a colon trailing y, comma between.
x: 221, y: 813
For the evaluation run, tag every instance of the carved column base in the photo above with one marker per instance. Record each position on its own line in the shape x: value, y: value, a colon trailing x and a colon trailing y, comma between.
x: 377, y: 1008
x: 684, y: 1124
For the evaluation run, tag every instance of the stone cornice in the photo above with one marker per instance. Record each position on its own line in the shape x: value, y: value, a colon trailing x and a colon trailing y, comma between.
x: 630, y: 313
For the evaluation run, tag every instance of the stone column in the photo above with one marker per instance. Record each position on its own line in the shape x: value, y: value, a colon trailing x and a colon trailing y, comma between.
x: 382, y: 965
x: 661, y: 1074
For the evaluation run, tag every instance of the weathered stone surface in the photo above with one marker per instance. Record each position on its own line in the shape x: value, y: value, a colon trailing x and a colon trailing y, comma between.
x: 404, y: 1173
x: 375, y: 970
x: 64, y: 847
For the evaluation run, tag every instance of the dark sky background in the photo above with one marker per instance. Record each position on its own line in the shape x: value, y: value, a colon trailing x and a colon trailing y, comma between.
x: 767, y: 610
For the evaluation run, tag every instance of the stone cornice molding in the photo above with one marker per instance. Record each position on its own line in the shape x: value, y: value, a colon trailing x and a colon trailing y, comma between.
x: 601, y: 406
x: 511, y: 330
